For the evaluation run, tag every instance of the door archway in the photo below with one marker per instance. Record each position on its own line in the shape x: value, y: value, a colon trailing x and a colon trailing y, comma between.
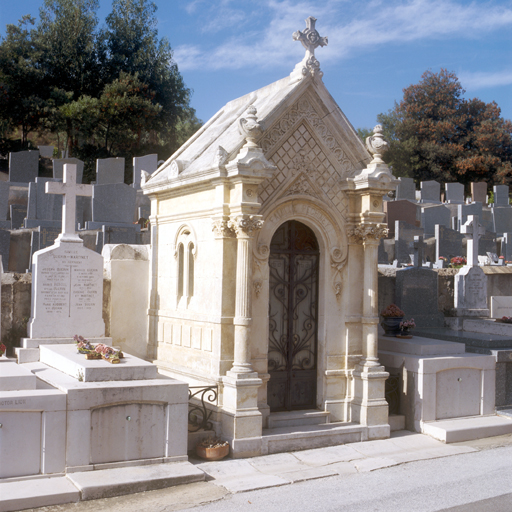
x: 293, y: 318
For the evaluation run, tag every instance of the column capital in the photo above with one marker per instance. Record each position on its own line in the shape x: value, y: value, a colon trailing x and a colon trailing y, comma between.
x: 222, y: 228
x: 245, y: 226
x: 367, y: 233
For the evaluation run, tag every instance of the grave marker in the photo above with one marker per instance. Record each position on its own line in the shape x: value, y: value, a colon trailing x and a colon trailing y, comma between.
x: 109, y: 171
x: 430, y: 192
x: 58, y: 168
x: 479, y: 192
x: 448, y: 243
x: 500, y: 195
x: 454, y: 193
x: 406, y: 189
x: 473, y: 231
x: 23, y: 166
x: 432, y: 215
x: 148, y: 163
x: 18, y: 214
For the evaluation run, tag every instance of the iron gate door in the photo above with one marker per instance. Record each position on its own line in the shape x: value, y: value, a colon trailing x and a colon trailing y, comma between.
x: 293, y: 314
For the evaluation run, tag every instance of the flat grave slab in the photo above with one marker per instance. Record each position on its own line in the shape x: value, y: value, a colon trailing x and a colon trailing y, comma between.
x: 420, y: 346
x: 14, y: 377
x: 66, y: 359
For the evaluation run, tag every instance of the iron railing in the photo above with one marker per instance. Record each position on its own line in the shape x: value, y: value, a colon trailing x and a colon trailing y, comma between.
x: 198, y: 414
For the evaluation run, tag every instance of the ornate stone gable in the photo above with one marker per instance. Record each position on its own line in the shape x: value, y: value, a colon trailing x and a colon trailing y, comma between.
x: 301, y: 161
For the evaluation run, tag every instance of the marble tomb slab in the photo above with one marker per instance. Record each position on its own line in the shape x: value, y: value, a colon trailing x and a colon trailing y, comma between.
x: 66, y: 359
x: 14, y: 377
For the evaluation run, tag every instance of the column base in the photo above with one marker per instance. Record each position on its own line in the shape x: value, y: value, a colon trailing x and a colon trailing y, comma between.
x: 369, y: 405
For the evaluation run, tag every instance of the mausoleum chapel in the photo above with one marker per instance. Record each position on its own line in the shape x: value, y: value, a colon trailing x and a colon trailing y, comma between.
x: 264, y: 243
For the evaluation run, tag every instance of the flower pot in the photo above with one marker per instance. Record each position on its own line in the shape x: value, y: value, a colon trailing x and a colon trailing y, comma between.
x: 391, y: 325
x: 215, y: 453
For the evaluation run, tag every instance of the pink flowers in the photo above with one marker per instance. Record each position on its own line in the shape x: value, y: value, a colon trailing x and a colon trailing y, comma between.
x: 3, y: 348
x: 407, y: 324
x: 457, y: 262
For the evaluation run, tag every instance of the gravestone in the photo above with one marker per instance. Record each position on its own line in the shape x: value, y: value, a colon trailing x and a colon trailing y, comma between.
x: 45, y: 151
x: 501, y: 306
x: 470, y: 286
x: 406, y: 189
x: 109, y: 171
x: 487, y: 243
x: 43, y: 209
x: 41, y: 238
x: 58, y: 168
x: 463, y: 210
x: 416, y: 295
x: 4, y: 202
x: 430, y: 192
x: 18, y: 214
x: 486, y: 219
x: 506, y: 246
x: 448, y: 243
x: 500, y: 195
x: 148, y: 163
x: 5, y: 244
x: 403, y: 210
x: 404, y: 240
x: 432, y: 215
x: 112, y: 205
x: 23, y: 166
x: 67, y: 285
x: 116, y: 235
x: 501, y: 219
x: 479, y: 192
x: 454, y: 193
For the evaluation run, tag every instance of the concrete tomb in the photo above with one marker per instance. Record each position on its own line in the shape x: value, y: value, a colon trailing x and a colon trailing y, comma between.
x: 288, y: 162
x: 23, y: 166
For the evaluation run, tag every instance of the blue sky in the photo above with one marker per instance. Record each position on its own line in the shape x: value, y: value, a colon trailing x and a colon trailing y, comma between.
x: 226, y: 48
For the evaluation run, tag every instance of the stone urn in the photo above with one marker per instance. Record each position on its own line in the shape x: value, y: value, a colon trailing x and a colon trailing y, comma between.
x: 391, y: 325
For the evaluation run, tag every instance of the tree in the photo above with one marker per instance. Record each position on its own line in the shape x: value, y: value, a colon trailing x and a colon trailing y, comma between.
x: 434, y: 133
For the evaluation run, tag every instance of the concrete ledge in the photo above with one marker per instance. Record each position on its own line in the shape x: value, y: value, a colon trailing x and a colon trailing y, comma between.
x: 37, y: 492
x: 27, y: 355
x: 467, y: 429
x: 116, y: 482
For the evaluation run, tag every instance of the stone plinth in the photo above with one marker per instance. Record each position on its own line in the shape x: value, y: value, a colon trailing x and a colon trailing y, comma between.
x: 66, y: 359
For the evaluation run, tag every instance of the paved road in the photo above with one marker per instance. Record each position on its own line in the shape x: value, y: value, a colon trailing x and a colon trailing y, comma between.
x: 475, y: 482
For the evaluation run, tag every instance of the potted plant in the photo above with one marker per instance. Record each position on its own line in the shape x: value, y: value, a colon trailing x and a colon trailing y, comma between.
x: 212, y: 448
x: 2, y: 349
x: 391, y: 318
x: 406, y: 327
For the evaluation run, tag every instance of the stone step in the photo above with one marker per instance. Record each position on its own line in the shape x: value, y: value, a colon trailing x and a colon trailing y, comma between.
x: 287, y: 439
x: 106, y: 483
x: 467, y: 429
x: 297, y: 418
x: 36, y: 492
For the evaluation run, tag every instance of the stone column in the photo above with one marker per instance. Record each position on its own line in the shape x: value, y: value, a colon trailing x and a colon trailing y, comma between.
x: 245, y: 227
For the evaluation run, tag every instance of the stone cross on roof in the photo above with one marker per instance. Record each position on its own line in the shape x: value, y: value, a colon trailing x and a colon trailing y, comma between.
x: 473, y: 229
x: 69, y: 189
x: 311, y: 40
x: 418, y: 251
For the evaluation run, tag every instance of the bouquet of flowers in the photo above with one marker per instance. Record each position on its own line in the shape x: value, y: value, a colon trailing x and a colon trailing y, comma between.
x: 407, y: 325
x: 392, y: 311
x: 85, y: 347
x: 457, y: 262
x: 3, y: 348
x: 110, y: 354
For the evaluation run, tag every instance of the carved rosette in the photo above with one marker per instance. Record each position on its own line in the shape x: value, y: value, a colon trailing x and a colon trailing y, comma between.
x: 222, y: 228
x: 246, y: 225
x: 367, y: 233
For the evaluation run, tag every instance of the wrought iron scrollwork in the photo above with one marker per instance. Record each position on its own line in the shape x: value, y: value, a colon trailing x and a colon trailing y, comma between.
x: 198, y: 413
x: 392, y: 391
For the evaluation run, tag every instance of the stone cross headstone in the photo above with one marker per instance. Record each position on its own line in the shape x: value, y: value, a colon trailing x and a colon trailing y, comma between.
x: 67, y: 284
x: 311, y: 40
x: 479, y: 192
x: 473, y: 230
x: 463, y: 210
x: 69, y: 189
x: 454, y: 193
x: 501, y: 195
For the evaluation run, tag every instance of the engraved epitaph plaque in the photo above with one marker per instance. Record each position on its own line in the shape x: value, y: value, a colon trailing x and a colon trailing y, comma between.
x: 67, y: 292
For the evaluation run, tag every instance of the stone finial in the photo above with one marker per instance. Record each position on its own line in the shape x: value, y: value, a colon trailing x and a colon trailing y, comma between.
x: 311, y: 40
x: 249, y: 126
x: 376, y: 145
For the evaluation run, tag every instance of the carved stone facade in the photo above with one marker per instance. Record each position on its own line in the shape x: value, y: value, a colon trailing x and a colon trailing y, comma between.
x: 284, y: 160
